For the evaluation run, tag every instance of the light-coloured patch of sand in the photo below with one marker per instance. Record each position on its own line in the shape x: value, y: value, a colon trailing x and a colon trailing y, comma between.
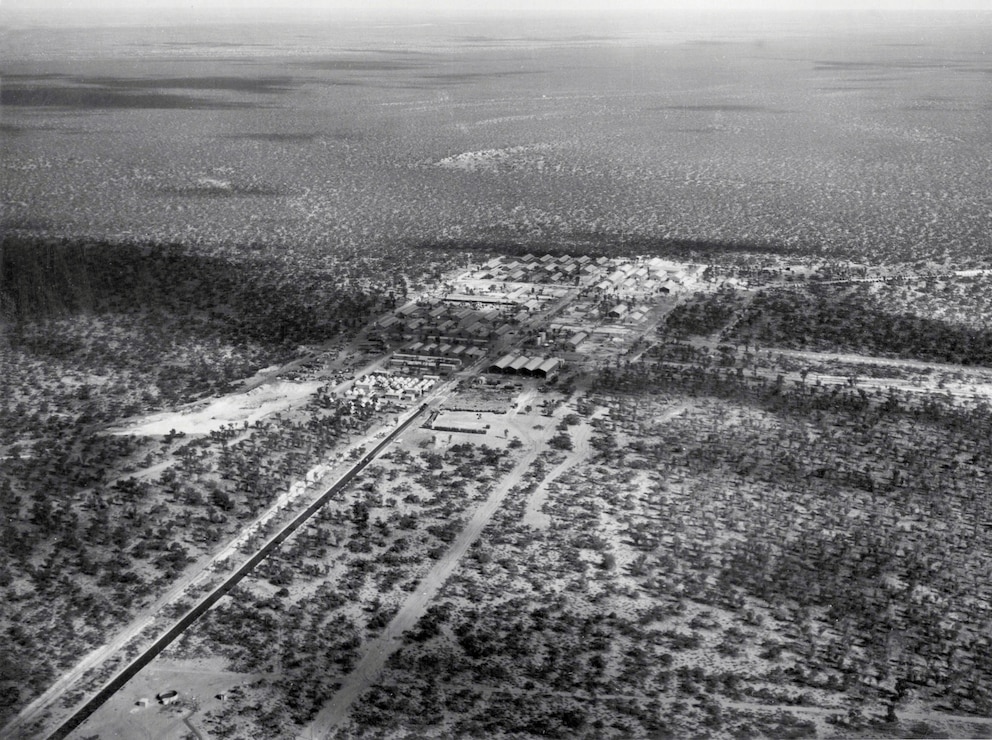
x: 134, y: 713
x: 236, y: 408
x: 492, y: 159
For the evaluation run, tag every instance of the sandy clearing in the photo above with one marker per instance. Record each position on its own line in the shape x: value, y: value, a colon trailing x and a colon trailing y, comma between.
x: 199, y: 683
x: 237, y: 409
x: 973, y: 383
x: 854, y: 358
x: 491, y: 159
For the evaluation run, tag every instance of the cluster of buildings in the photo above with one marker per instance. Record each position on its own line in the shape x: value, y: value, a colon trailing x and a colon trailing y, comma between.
x: 442, y: 359
x: 645, y: 277
x: 606, y: 275
x: 455, y: 332
x: 487, y: 308
x: 447, y: 323
x: 561, y: 270
x: 392, y: 387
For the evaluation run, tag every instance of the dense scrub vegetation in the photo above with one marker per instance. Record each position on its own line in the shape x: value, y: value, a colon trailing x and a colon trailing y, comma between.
x: 348, y: 572
x: 95, y: 331
x: 255, y: 297
x: 857, y: 320
x: 875, y: 545
x: 771, y: 559
x: 610, y: 245
x: 939, y: 318
x: 703, y: 314
x: 84, y: 543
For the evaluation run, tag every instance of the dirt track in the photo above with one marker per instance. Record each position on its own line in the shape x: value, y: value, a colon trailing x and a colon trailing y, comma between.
x: 534, y: 517
x: 377, y: 651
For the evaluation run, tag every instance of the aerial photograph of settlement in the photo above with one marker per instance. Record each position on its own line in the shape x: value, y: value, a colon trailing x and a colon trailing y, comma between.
x: 462, y: 370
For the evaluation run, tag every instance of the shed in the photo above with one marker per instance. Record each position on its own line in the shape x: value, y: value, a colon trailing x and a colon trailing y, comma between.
x: 519, y: 363
x: 531, y: 367
x: 501, y: 365
x: 548, y: 368
x: 575, y: 340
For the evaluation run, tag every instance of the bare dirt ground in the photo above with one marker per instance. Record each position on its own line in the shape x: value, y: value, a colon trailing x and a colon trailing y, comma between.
x: 238, y: 408
x: 134, y: 713
x: 973, y: 382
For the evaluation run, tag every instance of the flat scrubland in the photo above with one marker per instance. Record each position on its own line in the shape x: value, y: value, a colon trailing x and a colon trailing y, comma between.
x: 682, y: 550
x: 711, y: 539
x: 732, y: 560
x: 103, y: 515
x: 631, y: 138
x: 308, y: 613
x: 765, y: 510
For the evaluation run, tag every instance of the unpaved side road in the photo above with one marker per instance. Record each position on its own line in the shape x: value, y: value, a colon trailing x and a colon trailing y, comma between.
x: 377, y: 651
x: 533, y: 516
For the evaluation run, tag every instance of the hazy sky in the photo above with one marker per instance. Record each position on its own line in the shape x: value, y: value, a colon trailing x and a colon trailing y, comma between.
x: 233, y: 7
x: 76, y: 13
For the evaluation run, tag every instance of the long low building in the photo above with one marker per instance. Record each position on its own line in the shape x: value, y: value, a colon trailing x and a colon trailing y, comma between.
x: 533, y: 366
x: 411, y: 361
x: 482, y: 300
x: 516, y: 364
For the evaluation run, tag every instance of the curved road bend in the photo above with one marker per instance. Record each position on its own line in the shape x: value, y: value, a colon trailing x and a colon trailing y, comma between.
x: 128, y: 672
x: 533, y: 515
